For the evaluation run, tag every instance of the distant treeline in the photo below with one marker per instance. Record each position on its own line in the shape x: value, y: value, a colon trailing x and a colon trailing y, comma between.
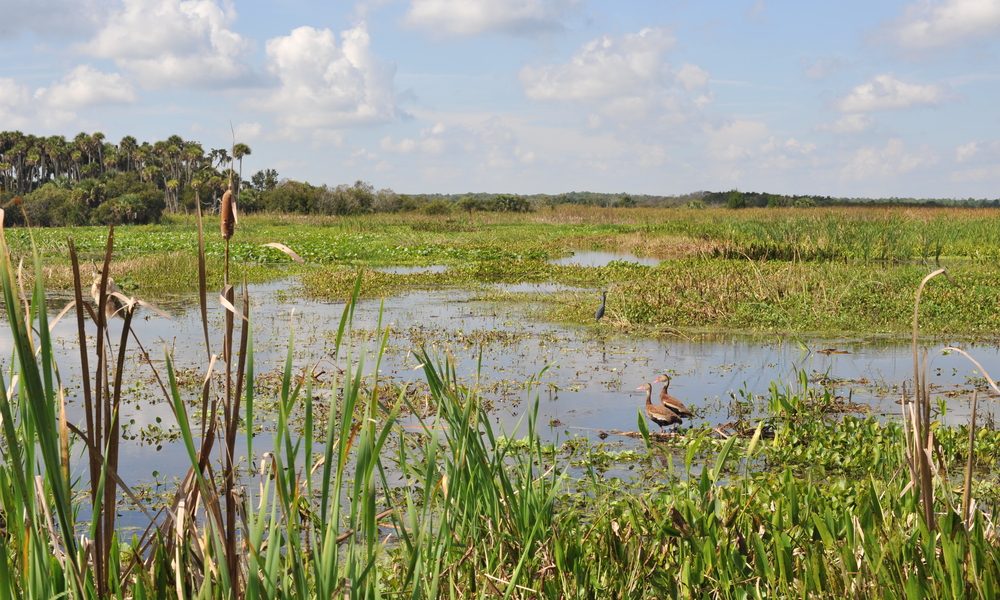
x: 89, y: 180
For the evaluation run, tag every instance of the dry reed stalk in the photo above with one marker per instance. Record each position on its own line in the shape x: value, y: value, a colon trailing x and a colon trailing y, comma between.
x: 922, y: 414
x: 967, y: 484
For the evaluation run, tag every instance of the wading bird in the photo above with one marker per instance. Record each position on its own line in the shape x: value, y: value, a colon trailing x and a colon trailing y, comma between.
x: 660, y: 415
x: 114, y: 304
x: 600, y: 311
x: 669, y: 401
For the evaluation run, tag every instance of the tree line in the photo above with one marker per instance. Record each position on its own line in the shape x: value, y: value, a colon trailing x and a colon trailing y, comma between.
x: 89, y: 179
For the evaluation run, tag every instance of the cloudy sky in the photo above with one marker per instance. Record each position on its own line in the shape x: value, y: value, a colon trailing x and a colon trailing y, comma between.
x: 891, y: 98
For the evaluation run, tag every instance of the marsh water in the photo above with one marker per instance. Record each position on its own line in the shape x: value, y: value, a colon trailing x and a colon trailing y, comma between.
x: 583, y: 377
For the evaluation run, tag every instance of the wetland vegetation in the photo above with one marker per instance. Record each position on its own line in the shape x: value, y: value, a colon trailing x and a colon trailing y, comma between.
x: 314, y: 476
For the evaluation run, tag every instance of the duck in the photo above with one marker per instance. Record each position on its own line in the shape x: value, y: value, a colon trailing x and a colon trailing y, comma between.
x: 660, y: 415
x: 671, y: 402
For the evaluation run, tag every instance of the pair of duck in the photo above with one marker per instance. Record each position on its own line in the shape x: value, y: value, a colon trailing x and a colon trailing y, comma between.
x: 670, y: 411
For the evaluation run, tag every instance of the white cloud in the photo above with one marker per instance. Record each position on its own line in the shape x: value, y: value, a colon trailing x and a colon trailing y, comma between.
x: 431, y: 141
x: 15, y: 104
x: 892, y: 159
x: 323, y: 85
x: 886, y: 92
x: 735, y: 140
x: 56, y: 105
x: 166, y: 42
x: 927, y: 24
x: 248, y: 131
x: 470, y: 17
x: 980, y: 162
x: 852, y: 123
x: 692, y: 77
x: 966, y: 152
x: 604, y: 67
x: 977, y: 174
x: 86, y: 86
x: 625, y: 82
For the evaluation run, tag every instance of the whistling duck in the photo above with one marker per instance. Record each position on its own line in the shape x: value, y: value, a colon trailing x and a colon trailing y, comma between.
x: 671, y: 402
x: 660, y: 415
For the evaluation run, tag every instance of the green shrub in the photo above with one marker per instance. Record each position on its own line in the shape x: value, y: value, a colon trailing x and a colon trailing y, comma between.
x: 437, y: 207
x: 51, y: 205
x: 130, y: 209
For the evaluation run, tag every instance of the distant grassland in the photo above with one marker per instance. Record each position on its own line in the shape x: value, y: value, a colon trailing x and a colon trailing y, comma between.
x: 839, y: 269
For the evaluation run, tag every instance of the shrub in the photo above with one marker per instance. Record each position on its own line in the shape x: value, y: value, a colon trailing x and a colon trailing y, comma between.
x: 131, y: 208
x: 437, y: 207
x: 51, y: 205
x: 291, y: 196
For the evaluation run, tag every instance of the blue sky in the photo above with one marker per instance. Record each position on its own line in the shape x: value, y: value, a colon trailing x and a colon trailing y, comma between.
x: 892, y: 98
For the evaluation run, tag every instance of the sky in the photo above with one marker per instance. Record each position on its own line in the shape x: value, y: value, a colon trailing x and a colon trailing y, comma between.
x: 846, y: 98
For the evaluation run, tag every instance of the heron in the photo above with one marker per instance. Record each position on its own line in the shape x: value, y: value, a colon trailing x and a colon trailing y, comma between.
x: 672, y: 402
x: 660, y: 415
x: 600, y: 311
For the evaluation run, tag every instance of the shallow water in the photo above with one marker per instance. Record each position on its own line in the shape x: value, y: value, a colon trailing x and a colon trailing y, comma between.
x: 595, y: 258
x: 588, y: 382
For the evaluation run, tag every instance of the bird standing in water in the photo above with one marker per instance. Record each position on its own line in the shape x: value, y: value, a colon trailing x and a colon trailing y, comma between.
x: 600, y: 311
x: 660, y: 415
x: 670, y: 402
x: 114, y: 304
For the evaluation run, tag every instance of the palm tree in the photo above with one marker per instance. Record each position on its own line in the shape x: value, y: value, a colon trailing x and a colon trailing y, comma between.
x: 127, y: 148
x: 239, y: 151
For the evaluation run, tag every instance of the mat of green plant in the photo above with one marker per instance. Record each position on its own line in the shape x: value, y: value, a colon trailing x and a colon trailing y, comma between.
x: 823, y: 270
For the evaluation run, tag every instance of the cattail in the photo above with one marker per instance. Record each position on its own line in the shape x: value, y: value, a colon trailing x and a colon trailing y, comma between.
x: 227, y: 214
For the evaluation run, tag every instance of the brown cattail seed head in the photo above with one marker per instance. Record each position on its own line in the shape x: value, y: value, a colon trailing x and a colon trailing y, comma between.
x: 227, y: 214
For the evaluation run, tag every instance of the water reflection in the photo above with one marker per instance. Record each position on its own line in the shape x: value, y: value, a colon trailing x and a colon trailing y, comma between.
x: 594, y: 258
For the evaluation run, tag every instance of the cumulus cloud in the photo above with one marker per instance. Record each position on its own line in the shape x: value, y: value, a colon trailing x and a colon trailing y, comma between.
x: 736, y: 139
x: 979, y: 160
x: 15, y: 104
x: 747, y: 143
x: 166, y: 42
x: 927, y: 25
x: 86, y: 86
x: 323, y: 85
x: 852, y: 123
x: 884, y: 92
x: 624, y: 81
x: 470, y: 17
x: 891, y: 159
x: 56, y: 105
x: 607, y: 66
x: 432, y: 140
x: 692, y: 77
x: 248, y: 131
x: 966, y: 152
